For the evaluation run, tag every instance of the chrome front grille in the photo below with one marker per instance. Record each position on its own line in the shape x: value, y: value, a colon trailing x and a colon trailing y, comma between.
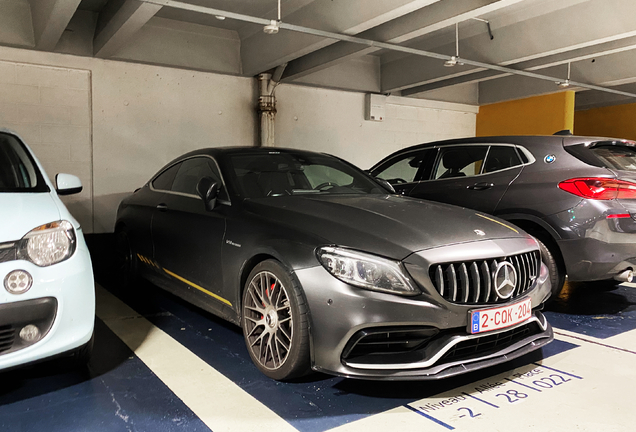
x: 471, y: 282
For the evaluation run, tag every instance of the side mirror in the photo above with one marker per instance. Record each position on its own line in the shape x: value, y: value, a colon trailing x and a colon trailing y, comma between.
x: 67, y: 184
x: 386, y: 184
x: 208, y: 190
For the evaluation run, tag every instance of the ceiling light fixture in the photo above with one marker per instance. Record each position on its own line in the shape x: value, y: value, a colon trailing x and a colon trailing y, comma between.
x: 566, y: 83
x: 454, y: 60
x: 273, y: 27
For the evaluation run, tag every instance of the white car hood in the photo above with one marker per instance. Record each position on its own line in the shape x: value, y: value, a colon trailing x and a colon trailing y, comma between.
x: 21, y: 212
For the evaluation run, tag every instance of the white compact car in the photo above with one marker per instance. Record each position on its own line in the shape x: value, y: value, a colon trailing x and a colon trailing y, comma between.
x: 47, y: 298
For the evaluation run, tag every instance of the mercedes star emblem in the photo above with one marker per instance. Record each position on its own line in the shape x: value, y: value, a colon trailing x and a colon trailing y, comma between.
x: 505, y: 279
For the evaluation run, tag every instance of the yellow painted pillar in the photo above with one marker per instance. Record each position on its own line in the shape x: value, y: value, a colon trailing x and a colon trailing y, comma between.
x: 618, y: 121
x: 537, y: 115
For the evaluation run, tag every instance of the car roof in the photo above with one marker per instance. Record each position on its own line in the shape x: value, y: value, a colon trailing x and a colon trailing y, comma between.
x: 238, y: 150
x: 524, y: 140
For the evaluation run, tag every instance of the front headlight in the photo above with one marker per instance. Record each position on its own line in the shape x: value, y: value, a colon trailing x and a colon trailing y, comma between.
x: 48, y: 244
x: 366, y: 271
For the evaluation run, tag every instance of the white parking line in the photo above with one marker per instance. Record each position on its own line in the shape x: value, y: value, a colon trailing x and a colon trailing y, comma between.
x: 217, y: 401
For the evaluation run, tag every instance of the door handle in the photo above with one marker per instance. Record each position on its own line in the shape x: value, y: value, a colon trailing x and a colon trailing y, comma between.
x: 480, y: 186
x: 162, y: 207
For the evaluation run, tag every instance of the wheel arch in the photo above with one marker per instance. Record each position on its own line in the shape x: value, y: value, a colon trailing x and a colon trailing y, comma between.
x: 247, y: 268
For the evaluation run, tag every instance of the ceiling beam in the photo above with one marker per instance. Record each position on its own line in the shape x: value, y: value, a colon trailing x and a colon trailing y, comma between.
x: 609, y: 70
x: 597, y: 22
x: 50, y: 19
x: 260, y: 52
x: 118, y: 22
x: 416, y: 24
x: 590, y: 53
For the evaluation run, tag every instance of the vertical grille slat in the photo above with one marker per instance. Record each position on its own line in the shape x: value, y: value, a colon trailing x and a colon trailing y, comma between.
x: 471, y: 282
x: 488, y: 281
x: 475, y: 276
x: 452, y: 285
x: 439, y: 279
x: 465, y: 282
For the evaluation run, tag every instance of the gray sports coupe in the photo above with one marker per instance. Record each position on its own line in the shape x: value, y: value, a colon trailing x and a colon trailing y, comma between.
x: 326, y: 269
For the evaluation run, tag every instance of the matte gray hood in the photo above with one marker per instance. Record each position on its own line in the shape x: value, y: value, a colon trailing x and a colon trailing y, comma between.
x: 388, y: 225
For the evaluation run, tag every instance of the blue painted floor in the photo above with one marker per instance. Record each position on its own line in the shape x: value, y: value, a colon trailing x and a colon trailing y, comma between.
x: 118, y: 392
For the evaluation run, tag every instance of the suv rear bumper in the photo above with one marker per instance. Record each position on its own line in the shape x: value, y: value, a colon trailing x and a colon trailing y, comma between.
x: 590, y: 259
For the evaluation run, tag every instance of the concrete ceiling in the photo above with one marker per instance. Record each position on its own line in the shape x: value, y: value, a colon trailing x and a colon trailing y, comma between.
x: 597, y: 37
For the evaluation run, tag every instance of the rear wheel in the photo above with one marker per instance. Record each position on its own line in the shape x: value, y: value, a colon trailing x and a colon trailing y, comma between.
x: 551, y: 258
x: 125, y: 259
x: 275, y: 322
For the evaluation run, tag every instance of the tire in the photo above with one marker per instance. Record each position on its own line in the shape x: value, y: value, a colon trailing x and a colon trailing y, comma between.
x: 275, y: 322
x: 556, y: 270
x: 125, y: 260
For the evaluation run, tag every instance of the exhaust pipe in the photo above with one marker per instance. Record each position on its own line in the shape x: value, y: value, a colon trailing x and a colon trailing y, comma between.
x: 625, y: 276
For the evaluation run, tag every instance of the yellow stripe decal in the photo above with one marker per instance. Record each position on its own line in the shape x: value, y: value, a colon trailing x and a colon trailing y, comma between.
x: 193, y: 285
x: 496, y: 221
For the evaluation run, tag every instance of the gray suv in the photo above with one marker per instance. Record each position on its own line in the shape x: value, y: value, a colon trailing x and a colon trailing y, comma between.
x: 577, y: 195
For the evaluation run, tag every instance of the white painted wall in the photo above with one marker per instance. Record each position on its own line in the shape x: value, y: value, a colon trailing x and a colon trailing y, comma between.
x: 50, y: 109
x: 332, y: 121
x: 142, y: 116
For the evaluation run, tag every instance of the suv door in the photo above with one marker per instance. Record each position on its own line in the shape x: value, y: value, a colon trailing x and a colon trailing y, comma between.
x: 473, y: 176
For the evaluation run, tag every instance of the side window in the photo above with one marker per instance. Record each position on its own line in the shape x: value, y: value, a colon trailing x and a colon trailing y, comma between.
x: 165, y: 179
x: 193, y: 170
x: 408, y: 168
x: 403, y: 170
x: 501, y: 157
x: 460, y: 161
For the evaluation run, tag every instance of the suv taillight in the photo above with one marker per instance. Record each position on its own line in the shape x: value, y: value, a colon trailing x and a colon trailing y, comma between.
x: 599, y: 188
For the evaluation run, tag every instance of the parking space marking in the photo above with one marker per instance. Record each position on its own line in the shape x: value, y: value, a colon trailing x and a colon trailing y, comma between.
x: 593, y: 340
x: 216, y: 400
x: 573, y: 389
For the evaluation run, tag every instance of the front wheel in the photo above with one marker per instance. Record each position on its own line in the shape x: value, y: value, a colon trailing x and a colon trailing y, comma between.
x: 275, y: 323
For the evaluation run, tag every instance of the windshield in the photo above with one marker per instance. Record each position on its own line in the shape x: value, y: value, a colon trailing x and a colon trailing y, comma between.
x: 18, y: 172
x: 282, y: 173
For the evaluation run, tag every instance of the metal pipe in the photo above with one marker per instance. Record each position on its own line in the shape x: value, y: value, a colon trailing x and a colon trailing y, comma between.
x: 376, y: 44
x: 266, y: 111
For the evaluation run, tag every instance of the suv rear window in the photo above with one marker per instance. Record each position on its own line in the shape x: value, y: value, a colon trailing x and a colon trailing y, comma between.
x: 620, y: 158
x: 18, y: 172
x: 606, y: 154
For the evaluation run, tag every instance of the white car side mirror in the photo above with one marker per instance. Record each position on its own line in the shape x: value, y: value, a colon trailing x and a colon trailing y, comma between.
x: 67, y: 184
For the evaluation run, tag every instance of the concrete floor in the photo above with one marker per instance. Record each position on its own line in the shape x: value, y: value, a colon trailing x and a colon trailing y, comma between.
x: 161, y: 364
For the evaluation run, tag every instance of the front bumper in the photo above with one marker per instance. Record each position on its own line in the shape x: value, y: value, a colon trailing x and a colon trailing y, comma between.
x: 61, y: 303
x: 340, y: 313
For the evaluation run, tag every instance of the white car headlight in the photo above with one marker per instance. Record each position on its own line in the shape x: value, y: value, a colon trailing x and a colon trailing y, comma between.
x: 48, y: 244
x: 367, y: 271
